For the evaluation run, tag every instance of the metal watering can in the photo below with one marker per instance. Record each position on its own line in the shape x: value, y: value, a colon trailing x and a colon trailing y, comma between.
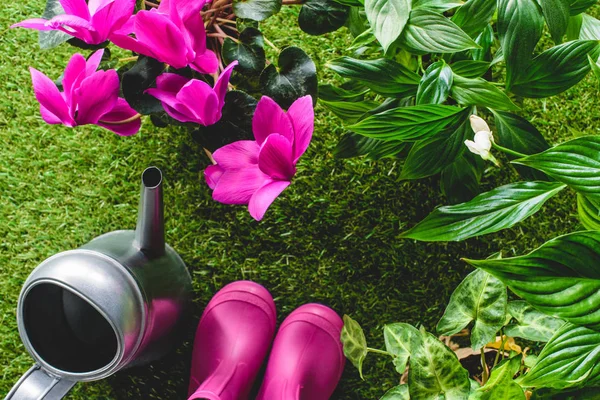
x: 114, y: 303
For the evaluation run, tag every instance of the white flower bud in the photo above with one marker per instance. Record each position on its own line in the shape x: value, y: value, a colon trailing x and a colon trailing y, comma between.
x: 478, y: 124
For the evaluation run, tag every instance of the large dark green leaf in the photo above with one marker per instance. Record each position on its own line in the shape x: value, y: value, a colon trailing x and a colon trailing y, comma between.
x: 248, y: 51
x: 530, y: 323
x: 295, y: 77
x: 318, y: 17
x: 576, y: 163
x: 383, y: 76
x: 355, y: 343
x: 500, y: 385
x: 489, y: 212
x: 560, y: 278
x: 459, y: 181
x: 556, y: 69
x: 588, y: 208
x: 430, y: 32
x: 402, y: 340
x: 556, y: 13
x: 579, y: 6
x: 474, y: 16
x: 51, y: 39
x: 408, y: 123
x: 590, y: 28
x: 588, y: 393
x: 485, y: 40
x: 470, y: 68
x: 348, y: 111
x: 518, y: 134
x: 437, y: 5
x: 329, y: 92
x: 571, y: 358
x: 435, y: 85
x: 256, y: 10
x: 388, y: 19
x: 353, y: 145
x: 139, y: 78
x: 435, y: 372
x: 479, y: 298
x: 479, y: 92
x: 520, y: 25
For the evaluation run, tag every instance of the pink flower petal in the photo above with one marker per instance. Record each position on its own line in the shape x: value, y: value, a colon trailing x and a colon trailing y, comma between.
x: 75, y: 26
x: 275, y: 158
x: 50, y: 98
x: 95, y: 5
x: 74, y: 74
x: 205, y: 62
x: 200, y: 98
x: 48, y: 117
x: 76, y: 7
x: 213, y: 174
x: 34, y: 23
x: 264, y: 197
x: 93, y: 62
x: 222, y: 83
x: 120, y: 112
x: 237, y: 186
x: 129, y: 43
x: 127, y: 28
x: 171, y: 82
x: 111, y: 16
x: 157, y: 32
x: 240, y: 154
x: 270, y: 118
x: 96, y: 96
x: 302, y: 115
x: 168, y: 85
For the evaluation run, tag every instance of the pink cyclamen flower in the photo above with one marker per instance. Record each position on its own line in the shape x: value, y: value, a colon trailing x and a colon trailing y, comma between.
x: 192, y: 100
x: 255, y: 172
x: 93, y: 22
x: 174, y: 34
x: 88, y: 97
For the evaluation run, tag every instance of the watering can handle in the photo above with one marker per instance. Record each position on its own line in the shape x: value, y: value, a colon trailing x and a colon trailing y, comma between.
x: 37, y: 384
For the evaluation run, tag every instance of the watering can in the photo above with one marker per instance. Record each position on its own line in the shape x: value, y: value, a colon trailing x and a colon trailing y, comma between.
x: 111, y: 304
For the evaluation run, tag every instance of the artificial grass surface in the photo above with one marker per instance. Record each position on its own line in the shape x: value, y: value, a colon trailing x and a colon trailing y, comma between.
x: 332, y: 237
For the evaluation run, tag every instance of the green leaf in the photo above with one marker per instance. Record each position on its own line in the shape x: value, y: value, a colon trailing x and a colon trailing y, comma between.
x: 590, y: 393
x: 431, y: 32
x: 436, y: 5
x: 500, y: 385
x: 353, y: 145
x: 350, y: 112
x: 571, y: 358
x: 560, y: 278
x: 51, y: 39
x: 579, y: 6
x: 531, y: 324
x: 435, y: 373
x: 399, y: 392
x: 430, y: 156
x: 383, y: 76
x: 498, y: 209
x: 520, y: 25
x: 329, y: 92
x: 408, y: 123
x: 588, y: 208
x: 518, y: 134
x: 479, y: 298
x: 318, y: 17
x: 594, y: 66
x: 556, y: 69
x: 355, y: 343
x: 248, y: 51
x: 388, y: 19
x: 459, y: 181
x: 470, y: 68
x: 474, y: 16
x: 362, y: 40
x: 295, y: 77
x: 590, y: 28
x: 435, y: 85
x: 556, y: 13
x: 139, y: 78
x: 257, y: 10
x: 574, y: 27
x: 479, y: 92
x: 575, y: 163
x: 485, y: 40
x: 402, y: 340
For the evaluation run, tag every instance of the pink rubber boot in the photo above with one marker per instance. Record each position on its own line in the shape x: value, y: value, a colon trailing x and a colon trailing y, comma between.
x: 232, y: 341
x: 307, y: 359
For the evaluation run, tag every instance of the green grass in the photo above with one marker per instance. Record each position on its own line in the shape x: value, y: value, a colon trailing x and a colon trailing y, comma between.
x: 332, y: 237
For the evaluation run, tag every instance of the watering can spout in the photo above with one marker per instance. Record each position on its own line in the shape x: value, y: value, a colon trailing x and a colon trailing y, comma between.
x: 150, y: 229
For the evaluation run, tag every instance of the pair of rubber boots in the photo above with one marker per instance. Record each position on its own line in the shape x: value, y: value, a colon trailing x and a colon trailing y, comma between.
x: 235, y: 334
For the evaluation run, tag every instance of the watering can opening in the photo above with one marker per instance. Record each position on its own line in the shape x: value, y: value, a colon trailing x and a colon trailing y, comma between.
x: 66, y: 331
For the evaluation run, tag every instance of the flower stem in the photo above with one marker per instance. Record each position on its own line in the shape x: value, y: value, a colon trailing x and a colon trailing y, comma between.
x: 267, y: 41
x: 127, y: 59
x: 210, y: 157
x: 221, y: 35
x: 486, y: 373
x: 508, y: 151
x: 124, y: 121
x: 377, y: 351
x: 151, y: 4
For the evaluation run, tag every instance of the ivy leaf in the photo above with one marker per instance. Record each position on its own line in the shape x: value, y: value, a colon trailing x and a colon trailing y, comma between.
x: 571, y: 358
x: 51, y: 39
x: 556, y: 69
x: 353, y: 145
x: 139, y: 78
x: 479, y: 298
x: 383, y: 76
x: 559, y: 278
x: 399, y: 392
x: 408, y: 123
x: 531, y: 324
x: 556, y: 13
x: 498, y: 209
x: 388, y: 19
x: 430, y: 32
x: 402, y: 340
x: 470, y: 68
x: 588, y: 208
x: 318, y: 17
x: 473, y: 16
x: 435, y: 85
x: 424, y: 378
x: 501, y: 385
x: 295, y: 77
x: 248, y: 51
x: 520, y: 25
x: 257, y: 10
x: 575, y: 163
x: 355, y: 343
x: 479, y: 92
x: 459, y: 181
